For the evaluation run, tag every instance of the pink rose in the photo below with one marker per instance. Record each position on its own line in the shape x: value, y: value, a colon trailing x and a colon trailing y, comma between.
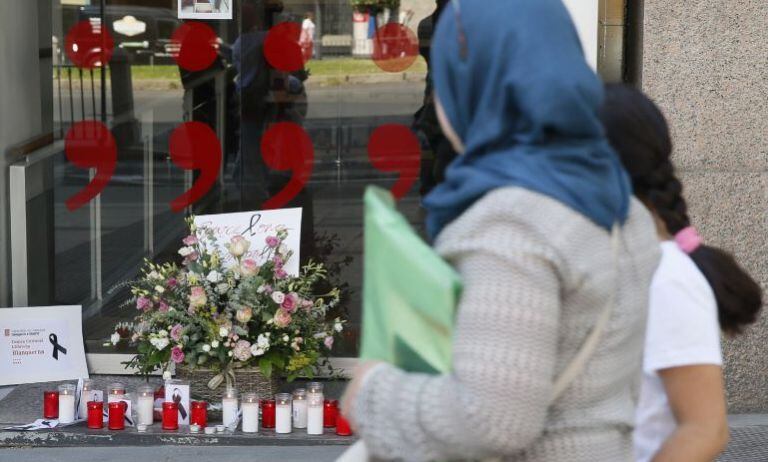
x: 242, y: 350
x: 171, y: 282
x: 177, y: 355
x: 143, y: 303
x: 163, y: 307
x: 190, y: 240
x: 290, y: 302
x: 329, y: 342
x: 249, y: 267
x: 197, y: 297
x: 278, y: 261
x: 279, y: 273
x: 282, y: 318
x: 243, y: 315
x: 176, y: 332
x: 272, y: 241
x: 238, y: 246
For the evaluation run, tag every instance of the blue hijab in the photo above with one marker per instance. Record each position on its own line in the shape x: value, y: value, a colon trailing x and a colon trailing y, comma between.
x: 515, y: 86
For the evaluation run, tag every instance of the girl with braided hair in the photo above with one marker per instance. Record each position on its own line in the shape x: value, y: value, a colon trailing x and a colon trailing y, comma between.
x: 697, y: 288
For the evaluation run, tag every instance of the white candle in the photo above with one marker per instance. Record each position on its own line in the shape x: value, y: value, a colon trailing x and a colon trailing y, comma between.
x: 66, y: 403
x: 283, y: 413
x: 250, y: 413
x: 230, y: 407
x: 315, y: 414
x: 85, y: 396
x: 145, y: 401
x: 299, y: 408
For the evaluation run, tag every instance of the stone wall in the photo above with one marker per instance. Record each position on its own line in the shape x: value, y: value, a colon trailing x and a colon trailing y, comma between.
x: 705, y: 63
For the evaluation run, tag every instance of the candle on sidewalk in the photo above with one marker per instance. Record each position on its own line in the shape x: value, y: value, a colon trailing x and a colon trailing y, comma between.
x: 116, y: 392
x: 299, y: 408
x: 343, y: 427
x: 230, y: 406
x: 250, y: 413
x: 199, y: 413
x: 315, y: 414
x: 268, y: 413
x: 66, y: 403
x: 170, y: 415
x: 330, y: 413
x: 116, y: 415
x: 95, y: 411
x: 283, y: 413
x: 85, y: 395
x: 145, y: 399
x: 50, y: 404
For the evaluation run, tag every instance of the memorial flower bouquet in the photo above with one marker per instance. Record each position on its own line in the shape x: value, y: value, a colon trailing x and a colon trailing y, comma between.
x: 225, y: 312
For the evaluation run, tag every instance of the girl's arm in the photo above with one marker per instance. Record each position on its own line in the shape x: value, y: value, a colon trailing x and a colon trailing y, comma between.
x: 696, y: 398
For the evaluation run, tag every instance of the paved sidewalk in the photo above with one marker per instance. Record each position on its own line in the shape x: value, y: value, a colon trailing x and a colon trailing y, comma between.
x: 748, y: 439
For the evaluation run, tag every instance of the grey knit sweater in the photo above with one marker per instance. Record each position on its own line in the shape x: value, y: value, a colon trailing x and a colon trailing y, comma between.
x: 536, y: 275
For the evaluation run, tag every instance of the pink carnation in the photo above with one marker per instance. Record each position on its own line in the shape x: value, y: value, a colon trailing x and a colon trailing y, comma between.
x: 171, y: 282
x: 279, y: 273
x: 162, y: 306
x: 190, y: 240
x: 272, y: 241
x: 143, y: 303
x: 177, y: 355
x: 176, y: 332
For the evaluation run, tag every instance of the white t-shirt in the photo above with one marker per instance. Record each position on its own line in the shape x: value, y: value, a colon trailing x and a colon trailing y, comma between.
x: 308, y: 30
x: 682, y: 330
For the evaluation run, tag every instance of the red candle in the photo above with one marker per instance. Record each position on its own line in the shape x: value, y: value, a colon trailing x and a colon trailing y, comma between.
x: 50, y: 404
x: 330, y: 413
x: 95, y: 410
x: 199, y: 413
x: 116, y: 415
x: 170, y: 416
x: 268, y: 413
x: 343, y: 427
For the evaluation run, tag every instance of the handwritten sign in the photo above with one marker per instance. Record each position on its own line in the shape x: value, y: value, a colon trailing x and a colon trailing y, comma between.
x: 41, y: 344
x: 256, y: 227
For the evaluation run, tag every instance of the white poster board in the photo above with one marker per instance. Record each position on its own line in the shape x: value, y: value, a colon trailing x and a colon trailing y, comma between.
x: 256, y: 227
x: 41, y: 344
x: 585, y: 15
x: 205, y: 9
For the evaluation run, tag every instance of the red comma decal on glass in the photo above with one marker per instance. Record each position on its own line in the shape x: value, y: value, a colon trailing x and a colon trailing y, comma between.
x: 282, y: 49
x: 88, y: 45
x: 194, y: 46
x: 195, y: 146
x: 395, y: 47
x: 394, y: 148
x: 90, y: 144
x: 287, y: 146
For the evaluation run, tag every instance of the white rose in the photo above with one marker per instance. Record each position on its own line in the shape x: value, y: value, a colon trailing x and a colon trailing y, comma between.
x: 262, y: 341
x: 338, y: 326
x: 115, y: 338
x: 257, y: 351
x: 185, y: 251
x: 214, y: 277
x: 163, y: 333
x: 278, y: 297
x: 223, y: 332
x: 206, y: 347
x: 159, y: 289
x: 285, y: 338
x: 153, y: 275
x: 223, y: 288
x: 215, y: 344
x: 166, y: 375
x: 238, y: 246
x: 159, y: 342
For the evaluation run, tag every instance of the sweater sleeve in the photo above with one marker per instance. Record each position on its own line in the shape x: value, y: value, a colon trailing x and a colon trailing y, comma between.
x: 495, y: 400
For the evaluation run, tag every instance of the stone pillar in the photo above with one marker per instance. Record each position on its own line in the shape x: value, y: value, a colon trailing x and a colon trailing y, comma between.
x: 705, y: 63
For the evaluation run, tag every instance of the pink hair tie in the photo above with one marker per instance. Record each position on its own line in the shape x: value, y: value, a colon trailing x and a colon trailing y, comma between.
x: 688, y: 239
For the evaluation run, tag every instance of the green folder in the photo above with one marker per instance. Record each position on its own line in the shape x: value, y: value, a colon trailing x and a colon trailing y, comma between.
x: 410, y: 293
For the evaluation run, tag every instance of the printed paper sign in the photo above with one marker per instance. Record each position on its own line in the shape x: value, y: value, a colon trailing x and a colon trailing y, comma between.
x: 205, y: 9
x: 41, y: 344
x: 256, y: 227
x: 179, y: 394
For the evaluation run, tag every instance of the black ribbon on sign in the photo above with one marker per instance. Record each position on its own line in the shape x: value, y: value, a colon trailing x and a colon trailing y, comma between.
x: 56, y: 347
x: 177, y: 397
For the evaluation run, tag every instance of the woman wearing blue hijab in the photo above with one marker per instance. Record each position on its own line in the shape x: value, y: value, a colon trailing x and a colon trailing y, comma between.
x: 524, y: 215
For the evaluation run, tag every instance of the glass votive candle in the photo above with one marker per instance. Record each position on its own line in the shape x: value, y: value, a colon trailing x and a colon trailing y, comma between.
x: 116, y: 391
x: 283, y: 413
x: 268, y: 413
x: 199, y: 413
x: 315, y: 387
x: 330, y: 413
x: 229, y: 406
x: 95, y: 411
x: 343, y: 427
x: 170, y: 416
x: 66, y: 403
x: 84, y: 396
x: 116, y: 415
x: 315, y: 414
x: 299, y: 408
x: 50, y: 404
x: 145, y: 400
x: 250, y: 413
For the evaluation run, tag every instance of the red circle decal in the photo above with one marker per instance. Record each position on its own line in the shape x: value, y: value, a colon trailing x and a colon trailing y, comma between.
x: 395, y: 47
x: 88, y: 45
x: 196, y: 46
x: 394, y: 148
x: 282, y: 49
